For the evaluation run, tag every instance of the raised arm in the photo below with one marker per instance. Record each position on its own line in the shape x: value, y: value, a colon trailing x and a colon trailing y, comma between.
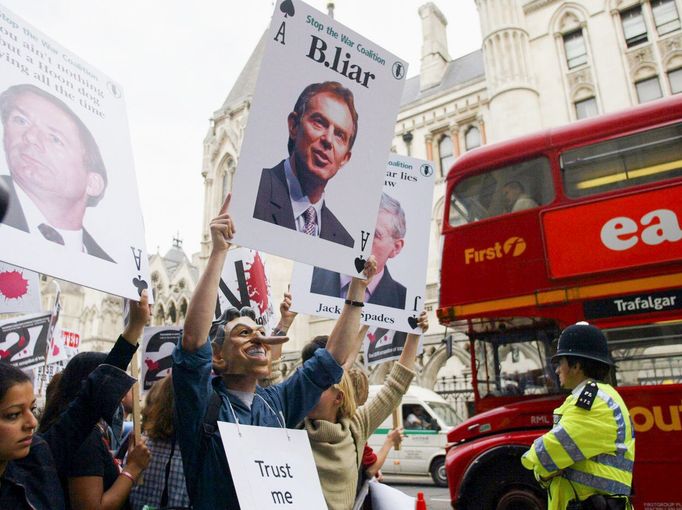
x: 286, y: 319
x: 393, y: 439
x: 409, y: 354
x: 358, y: 344
x: 202, y: 305
x: 343, y: 339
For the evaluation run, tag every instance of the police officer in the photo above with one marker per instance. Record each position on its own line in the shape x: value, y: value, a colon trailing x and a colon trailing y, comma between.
x: 586, y: 460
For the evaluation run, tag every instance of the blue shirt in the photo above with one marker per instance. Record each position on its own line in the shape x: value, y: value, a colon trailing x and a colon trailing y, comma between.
x: 194, y: 385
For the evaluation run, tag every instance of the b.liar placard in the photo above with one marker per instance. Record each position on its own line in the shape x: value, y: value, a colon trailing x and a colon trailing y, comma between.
x: 271, y: 467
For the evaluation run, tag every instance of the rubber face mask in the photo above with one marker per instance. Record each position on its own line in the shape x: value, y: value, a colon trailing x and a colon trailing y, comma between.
x: 245, y: 349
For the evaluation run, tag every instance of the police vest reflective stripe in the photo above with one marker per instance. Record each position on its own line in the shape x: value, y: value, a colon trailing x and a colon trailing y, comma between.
x: 594, y: 447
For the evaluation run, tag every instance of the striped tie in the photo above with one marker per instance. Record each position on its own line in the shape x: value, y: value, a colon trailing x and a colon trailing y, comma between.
x: 310, y: 217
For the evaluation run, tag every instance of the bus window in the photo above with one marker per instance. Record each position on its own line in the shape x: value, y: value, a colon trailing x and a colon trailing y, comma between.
x: 647, y: 354
x: 623, y: 162
x: 502, y: 191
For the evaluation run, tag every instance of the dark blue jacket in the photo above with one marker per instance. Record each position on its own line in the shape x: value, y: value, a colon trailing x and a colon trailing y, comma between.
x: 33, y: 482
x: 194, y: 385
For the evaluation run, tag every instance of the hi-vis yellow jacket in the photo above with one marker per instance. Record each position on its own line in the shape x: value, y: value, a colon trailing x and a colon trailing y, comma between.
x: 592, y: 444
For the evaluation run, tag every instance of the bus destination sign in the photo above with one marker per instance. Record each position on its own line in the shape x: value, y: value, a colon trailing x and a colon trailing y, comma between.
x: 633, y: 304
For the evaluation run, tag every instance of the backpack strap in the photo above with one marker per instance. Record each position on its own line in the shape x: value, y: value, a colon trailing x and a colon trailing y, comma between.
x: 164, y: 494
x: 210, y: 424
x: 208, y: 428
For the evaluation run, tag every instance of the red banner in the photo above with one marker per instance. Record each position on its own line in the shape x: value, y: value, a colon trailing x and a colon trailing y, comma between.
x: 617, y: 233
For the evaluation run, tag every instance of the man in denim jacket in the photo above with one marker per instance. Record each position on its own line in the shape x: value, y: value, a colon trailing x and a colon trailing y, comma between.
x: 240, y: 353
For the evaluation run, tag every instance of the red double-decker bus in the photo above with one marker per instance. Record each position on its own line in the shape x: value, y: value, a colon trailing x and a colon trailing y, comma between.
x: 580, y: 222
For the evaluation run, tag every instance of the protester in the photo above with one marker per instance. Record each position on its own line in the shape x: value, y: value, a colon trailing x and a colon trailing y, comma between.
x: 338, y: 430
x: 29, y: 462
x: 92, y: 478
x: 586, y: 460
x: 240, y: 353
x: 164, y: 480
x: 371, y: 461
x: 286, y: 319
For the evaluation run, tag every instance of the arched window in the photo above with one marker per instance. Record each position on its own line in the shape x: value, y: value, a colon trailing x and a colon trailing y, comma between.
x: 472, y: 138
x: 226, y: 183
x: 445, y: 152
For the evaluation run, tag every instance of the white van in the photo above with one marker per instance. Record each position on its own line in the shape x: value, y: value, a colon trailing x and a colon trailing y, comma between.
x: 427, y: 418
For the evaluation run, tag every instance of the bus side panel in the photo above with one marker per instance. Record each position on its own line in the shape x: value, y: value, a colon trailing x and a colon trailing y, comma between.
x: 657, y: 415
x: 493, y: 259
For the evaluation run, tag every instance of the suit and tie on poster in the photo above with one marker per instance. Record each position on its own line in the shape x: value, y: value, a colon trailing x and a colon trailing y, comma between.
x: 66, y: 159
x: 319, y: 129
x: 395, y: 296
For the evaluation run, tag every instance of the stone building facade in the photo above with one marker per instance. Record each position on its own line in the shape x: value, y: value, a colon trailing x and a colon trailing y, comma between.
x: 98, y: 317
x: 542, y: 63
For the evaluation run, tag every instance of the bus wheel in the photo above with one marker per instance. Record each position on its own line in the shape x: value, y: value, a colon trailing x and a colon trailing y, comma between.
x: 438, y: 473
x: 521, y: 499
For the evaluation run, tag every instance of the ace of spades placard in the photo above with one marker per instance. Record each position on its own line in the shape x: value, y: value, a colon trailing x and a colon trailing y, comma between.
x: 316, y: 90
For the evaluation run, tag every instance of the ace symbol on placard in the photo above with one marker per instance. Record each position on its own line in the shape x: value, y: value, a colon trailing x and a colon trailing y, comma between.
x: 287, y: 8
x: 137, y: 281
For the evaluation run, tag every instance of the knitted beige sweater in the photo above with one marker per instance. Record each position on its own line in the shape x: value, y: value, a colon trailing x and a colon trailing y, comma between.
x: 338, y: 447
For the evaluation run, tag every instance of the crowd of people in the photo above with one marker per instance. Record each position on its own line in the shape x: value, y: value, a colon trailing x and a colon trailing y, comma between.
x: 223, y: 370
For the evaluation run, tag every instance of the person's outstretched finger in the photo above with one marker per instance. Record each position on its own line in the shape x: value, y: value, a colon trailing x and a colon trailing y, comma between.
x: 226, y: 204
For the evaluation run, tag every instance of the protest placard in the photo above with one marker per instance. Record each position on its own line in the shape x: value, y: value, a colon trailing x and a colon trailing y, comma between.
x: 310, y: 168
x: 65, y: 346
x: 271, y: 467
x: 400, y: 246
x: 244, y: 282
x: 74, y: 210
x: 382, y: 345
x: 23, y: 341
x: 19, y: 290
x: 157, y: 347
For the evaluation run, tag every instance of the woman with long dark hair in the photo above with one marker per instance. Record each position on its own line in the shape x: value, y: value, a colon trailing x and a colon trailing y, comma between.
x: 30, y: 463
x: 93, y: 478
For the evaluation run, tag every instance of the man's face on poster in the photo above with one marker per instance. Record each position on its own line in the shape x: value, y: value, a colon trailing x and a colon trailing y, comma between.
x: 322, y: 136
x: 385, y: 246
x: 45, y: 152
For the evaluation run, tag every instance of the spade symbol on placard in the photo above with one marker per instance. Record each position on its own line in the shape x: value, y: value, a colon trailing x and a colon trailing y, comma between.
x: 359, y: 264
x: 287, y: 7
x: 140, y: 284
x: 412, y: 321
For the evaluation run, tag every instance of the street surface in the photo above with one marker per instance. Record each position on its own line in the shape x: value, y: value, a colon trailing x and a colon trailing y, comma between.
x: 437, y: 498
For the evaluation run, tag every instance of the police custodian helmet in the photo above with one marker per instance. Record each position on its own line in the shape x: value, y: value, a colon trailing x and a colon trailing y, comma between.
x: 583, y: 340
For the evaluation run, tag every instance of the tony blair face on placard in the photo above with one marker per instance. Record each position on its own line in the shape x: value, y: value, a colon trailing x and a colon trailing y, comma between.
x: 45, y: 152
x: 322, y: 136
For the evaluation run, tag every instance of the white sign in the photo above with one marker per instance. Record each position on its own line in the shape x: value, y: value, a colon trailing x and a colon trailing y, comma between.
x: 400, y: 245
x: 310, y: 168
x: 385, y: 497
x: 65, y: 346
x: 272, y: 467
x: 382, y: 345
x: 19, y: 290
x: 157, y: 347
x: 244, y: 282
x: 74, y: 211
